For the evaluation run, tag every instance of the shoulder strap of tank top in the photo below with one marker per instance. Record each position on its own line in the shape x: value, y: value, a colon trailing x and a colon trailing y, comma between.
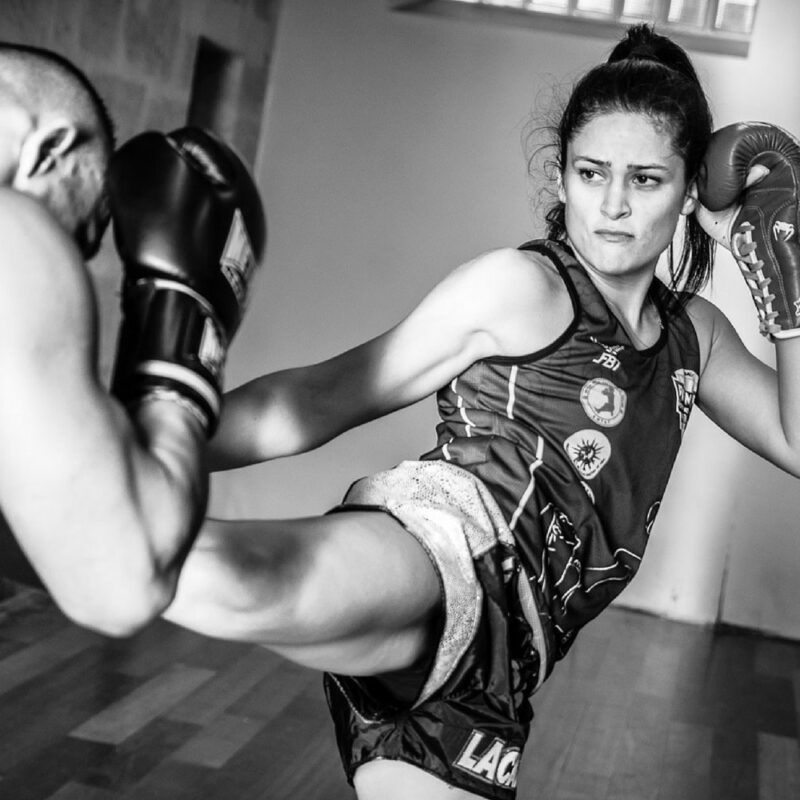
x: 580, y: 288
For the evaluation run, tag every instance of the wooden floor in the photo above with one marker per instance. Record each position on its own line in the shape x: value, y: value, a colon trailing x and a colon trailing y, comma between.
x: 642, y: 709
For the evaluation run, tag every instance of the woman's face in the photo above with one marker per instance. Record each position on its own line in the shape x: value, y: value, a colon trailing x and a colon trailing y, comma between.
x: 624, y: 189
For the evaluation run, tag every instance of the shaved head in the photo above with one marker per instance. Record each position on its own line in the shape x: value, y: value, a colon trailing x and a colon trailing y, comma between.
x: 76, y: 138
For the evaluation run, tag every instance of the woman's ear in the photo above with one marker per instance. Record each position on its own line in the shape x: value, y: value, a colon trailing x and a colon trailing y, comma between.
x: 43, y: 146
x: 562, y: 195
x: 689, y: 199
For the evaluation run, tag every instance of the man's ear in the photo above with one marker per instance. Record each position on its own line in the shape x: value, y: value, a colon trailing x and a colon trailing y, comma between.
x: 43, y: 146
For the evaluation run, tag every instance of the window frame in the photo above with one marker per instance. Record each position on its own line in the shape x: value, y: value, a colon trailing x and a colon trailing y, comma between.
x: 706, y: 39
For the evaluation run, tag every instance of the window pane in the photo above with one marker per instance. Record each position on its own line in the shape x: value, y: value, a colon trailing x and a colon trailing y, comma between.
x: 736, y: 16
x: 558, y: 6
x: 642, y: 9
x: 506, y: 3
x: 688, y: 12
x: 596, y: 6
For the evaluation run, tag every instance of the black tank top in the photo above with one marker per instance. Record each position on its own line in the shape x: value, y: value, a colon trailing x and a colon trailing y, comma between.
x: 576, y: 443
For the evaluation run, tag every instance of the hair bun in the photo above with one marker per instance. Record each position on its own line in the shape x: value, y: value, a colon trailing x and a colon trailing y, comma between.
x: 642, y: 43
x: 643, y: 51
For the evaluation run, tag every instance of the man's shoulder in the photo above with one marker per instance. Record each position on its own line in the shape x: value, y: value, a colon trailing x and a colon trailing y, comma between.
x: 13, y: 202
x: 36, y: 249
x: 27, y: 226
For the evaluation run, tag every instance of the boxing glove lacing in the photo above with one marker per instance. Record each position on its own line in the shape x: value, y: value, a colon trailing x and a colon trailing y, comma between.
x: 752, y: 268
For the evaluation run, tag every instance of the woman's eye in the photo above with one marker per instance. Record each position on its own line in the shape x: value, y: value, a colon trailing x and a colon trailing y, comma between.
x: 588, y: 174
x: 646, y: 180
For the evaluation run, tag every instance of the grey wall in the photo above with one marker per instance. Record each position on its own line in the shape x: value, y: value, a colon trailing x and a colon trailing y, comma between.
x: 391, y: 153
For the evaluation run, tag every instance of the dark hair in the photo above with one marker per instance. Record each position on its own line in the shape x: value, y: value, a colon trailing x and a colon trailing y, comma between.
x: 649, y: 74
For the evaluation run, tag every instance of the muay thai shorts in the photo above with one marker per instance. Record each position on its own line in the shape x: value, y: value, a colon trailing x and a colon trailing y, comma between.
x: 467, y: 717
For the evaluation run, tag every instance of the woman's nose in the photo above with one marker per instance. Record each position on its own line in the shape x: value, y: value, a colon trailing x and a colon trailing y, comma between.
x: 615, y: 201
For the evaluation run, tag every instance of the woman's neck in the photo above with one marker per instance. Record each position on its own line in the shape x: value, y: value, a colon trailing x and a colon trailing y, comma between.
x: 628, y: 297
x: 641, y: 320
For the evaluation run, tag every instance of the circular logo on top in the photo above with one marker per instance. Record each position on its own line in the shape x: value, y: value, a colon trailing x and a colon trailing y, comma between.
x: 589, y: 451
x: 603, y: 402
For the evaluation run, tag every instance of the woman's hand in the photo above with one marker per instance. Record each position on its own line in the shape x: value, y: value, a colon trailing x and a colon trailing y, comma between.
x: 718, y: 224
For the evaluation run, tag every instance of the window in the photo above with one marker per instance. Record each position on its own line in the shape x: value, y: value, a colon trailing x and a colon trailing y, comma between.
x: 601, y: 7
x: 720, y: 26
x: 639, y: 9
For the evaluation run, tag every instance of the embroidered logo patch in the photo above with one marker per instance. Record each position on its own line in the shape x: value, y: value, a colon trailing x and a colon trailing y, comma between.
x: 603, y: 402
x: 608, y: 358
x: 589, y: 451
x: 685, y: 382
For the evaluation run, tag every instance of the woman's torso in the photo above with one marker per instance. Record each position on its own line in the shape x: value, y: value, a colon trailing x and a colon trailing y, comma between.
x: 576, y: 443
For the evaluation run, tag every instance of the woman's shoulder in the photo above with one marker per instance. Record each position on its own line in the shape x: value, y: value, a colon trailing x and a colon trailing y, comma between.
x: 514, y: 269
x: 709, y: 324
x: 520, y: 296
x: 704, y: 315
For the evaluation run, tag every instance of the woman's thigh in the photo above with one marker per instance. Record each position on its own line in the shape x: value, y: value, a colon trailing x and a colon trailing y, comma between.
x: 351, y: 592
x: 396, y: 780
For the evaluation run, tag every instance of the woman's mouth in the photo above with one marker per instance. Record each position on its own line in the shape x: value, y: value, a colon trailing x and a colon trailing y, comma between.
x: 613, y: 236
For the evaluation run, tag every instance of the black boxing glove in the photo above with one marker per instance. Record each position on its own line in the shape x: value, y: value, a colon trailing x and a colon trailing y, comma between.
x: 190, y: 230
x: 761, y: 228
